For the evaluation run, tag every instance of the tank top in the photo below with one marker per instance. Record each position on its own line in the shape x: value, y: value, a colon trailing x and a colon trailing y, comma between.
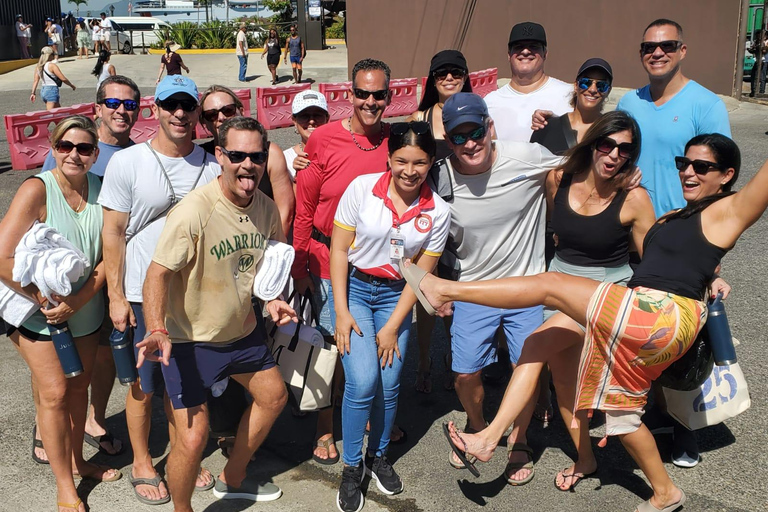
x: 83, y: 230
x: 677, y: 258
x: 589, y: 240
x: 443, y: 150
x: 294, y: 45
x: 273, y: 47
x: 104, y: 74
x: 47, y: 80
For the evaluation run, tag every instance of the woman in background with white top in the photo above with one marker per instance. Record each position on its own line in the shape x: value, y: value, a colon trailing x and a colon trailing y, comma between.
x: 103, y: 69
x: 51, y: 76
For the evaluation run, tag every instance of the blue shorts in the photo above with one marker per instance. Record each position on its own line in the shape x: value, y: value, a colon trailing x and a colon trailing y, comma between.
x: 295, y: 60
x: 150, y: 375
x: 195, y: 367
x: 474, y: 330
x: 49, y: 94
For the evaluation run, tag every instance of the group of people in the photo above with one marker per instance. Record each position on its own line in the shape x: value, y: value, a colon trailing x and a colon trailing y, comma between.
x: 640, y: 206
x: 294, y: 48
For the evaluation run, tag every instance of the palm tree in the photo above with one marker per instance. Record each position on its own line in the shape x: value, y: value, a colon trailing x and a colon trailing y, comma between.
x: 78, y: 3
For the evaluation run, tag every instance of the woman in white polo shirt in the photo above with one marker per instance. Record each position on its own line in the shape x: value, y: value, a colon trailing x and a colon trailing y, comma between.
x: 381, y: 218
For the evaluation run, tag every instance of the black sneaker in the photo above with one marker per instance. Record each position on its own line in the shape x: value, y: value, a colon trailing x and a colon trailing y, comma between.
x: 350, y: 497
x: 685, y: 449
x: 382, y: 471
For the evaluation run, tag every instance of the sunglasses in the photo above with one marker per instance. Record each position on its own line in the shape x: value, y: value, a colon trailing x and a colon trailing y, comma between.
x: 83, y: 149
x: 213, y: 114
x: 699, y: 166
x: 531, y: 46
x: 237, y: 157
x: 457, y: 139
x: 362, y: 94
x: 666, y: 46
x: 442, y: 74
x: 114, y: 104
x: 607, y: 145
x: 603, y: 86
x: 172, y: 105
x: 305, y: 117
x: 417, y: 127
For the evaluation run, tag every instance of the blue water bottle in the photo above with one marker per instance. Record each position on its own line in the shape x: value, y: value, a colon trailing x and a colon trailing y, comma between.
x: 122, y: 351
x: 720, y: 333
x: 66, y: 350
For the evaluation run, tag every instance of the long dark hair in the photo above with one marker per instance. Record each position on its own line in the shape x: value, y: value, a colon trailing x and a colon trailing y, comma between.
x: 727, y: 155
x: 104, y: 56
x: 430, y: 96
x: 579, y: 157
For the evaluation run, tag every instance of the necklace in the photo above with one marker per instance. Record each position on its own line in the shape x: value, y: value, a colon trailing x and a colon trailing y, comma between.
x: 82, y: 193
x: 354, y: 139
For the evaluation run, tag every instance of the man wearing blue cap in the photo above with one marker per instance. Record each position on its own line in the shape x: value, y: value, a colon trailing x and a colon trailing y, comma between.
x: 498, y: 210
x: 139, y: 188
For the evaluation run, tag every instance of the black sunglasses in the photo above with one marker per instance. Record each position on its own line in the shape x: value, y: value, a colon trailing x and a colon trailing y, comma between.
x: 699, y: 166
x: 457, y: 139
x: 114, y: 104
x: 83, y: 148
x: 607, y: 145
x: 317, y: 116
x: 172, y: 105
x: 532, y: 46
x: 417, y: 127
x: 212, y: 114
x: 237, y: 157
x: 666, y: 46
x: 362, y: 94
x: 442, y: 74
x: 602, y: 85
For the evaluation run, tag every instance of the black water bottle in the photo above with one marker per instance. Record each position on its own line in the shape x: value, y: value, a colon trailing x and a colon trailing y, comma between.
x: 122, y: 351
x: 66, y: 350
x: 719, y: 332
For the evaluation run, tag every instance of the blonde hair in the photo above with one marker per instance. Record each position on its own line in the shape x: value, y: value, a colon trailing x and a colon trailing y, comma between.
x: 46, y: 55
x: 71, y: 123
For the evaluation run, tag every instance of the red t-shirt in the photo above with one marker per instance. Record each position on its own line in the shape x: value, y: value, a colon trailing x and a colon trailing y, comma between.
x: 335, y: 160
x: 172, y: 65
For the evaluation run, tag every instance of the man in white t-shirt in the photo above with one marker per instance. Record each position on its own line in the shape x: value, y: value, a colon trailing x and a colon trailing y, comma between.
x: 23, y: 31
x: 106, y: 32
x: 241, y: 50
x: 512, y: 106
x: 139, y: 188
x: 496, y: 193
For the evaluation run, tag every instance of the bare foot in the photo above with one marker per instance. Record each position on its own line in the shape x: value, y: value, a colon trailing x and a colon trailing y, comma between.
x: 473, y: 444
x: 662, y: 501
x: 204, y: 478
x: 321, y: 452
x: 40, y: 450
x: 70, y: 505
x: 149, y: 491
x: 96, y: 472
x: 519, y: 458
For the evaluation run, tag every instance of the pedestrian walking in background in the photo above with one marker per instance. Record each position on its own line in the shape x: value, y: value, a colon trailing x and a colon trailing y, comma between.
x: 242, y: 52
x: 272, y: 50
x: 48, y: 71
x: 295, y: 47
x: 171, y: 62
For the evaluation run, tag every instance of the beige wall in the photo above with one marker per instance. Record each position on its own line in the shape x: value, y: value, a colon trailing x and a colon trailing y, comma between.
x: 406, y: 33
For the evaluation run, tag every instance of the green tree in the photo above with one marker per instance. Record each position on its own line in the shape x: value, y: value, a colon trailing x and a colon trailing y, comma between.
x: 78, y: 3
x: 282, y: 9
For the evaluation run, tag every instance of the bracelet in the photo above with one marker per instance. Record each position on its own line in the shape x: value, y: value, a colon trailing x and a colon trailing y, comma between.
x: 153, y: 331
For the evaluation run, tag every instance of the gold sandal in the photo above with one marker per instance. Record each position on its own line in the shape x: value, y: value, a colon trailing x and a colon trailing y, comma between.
x: 75, y: 505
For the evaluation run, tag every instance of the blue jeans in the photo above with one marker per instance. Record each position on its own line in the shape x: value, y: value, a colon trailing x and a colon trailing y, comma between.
x: 370, y: 392
x: 243, y: 66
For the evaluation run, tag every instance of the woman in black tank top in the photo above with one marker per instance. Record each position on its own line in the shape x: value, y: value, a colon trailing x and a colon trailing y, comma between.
x: 634, y: 333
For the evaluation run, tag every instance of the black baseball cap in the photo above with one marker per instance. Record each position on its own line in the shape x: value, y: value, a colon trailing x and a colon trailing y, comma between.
x: 595, y: 62
x: 448, y: 59
x: 527, y: 31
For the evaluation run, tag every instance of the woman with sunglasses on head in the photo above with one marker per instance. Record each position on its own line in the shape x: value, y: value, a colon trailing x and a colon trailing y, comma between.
x: 65, y: 199
x: 48, y: 73
x: 381, y: 218
x: 219, y: 103
x: 633, y: 332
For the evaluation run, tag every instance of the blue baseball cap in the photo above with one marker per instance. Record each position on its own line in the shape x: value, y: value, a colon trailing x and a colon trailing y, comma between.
x: 464, y: 107
x: 175, y: 84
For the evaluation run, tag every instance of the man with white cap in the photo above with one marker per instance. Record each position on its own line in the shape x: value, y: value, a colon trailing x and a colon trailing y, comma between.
x: 139, y: 188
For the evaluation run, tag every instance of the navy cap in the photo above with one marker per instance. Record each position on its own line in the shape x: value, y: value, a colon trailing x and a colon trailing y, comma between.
x: 527, y: 31
x: 595, y: 63
x: 175, y: 84
x: 464, y: 107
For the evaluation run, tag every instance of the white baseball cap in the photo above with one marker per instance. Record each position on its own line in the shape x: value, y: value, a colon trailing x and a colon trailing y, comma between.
x: 306, y: 99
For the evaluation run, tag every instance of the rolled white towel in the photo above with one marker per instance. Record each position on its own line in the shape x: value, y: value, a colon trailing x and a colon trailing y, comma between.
x: 307, y: 334
x: 274, y: 270
x: 15, y: 308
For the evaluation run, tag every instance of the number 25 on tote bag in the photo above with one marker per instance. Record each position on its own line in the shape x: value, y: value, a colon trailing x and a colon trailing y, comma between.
x: 722, y: 396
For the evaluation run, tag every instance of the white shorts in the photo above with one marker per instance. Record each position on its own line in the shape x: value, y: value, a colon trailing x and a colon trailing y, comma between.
x: 104, y: 36
x: 622, y: 422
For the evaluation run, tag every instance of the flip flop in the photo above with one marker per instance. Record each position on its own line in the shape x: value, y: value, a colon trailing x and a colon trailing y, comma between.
x: 153, y: 482
x: 413, y: 275
x: 460, y: 454
x: 37, y: 443
x: 207, y: 486
x: 117, y: 476
x: 647, y: 507
x: 96, y: 441
x: 326, y: 444
x: 578, y: 478
x: 75, y: 505
x: 514, y: 467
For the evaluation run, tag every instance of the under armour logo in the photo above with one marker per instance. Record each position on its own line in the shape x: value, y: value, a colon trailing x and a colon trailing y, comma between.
x: 245, y: 219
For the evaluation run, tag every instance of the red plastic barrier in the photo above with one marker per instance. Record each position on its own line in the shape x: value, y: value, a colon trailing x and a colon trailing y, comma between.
x: 404, y: 100
x: 146, y: 126
x: 484, y: 82
x: 245, y: 97
x: 273, y: 105
x: 337, y: 96
x: 29, y: 134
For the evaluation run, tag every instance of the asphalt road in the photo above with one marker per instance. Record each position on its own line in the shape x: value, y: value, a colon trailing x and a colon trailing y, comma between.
x: 729, y: 478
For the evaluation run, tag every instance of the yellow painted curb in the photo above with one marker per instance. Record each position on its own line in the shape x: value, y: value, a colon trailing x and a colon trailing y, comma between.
x: 11, y: 65
x: 194, y: 51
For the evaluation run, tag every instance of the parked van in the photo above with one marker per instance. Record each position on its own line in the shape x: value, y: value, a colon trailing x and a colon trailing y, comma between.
x: 138, y: 31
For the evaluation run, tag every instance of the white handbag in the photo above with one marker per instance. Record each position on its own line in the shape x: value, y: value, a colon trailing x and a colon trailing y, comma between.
x: 305, y: 361
x: 722, y: 396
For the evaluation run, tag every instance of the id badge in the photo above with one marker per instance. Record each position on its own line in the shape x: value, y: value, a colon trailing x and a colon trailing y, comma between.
x: 396, y: 245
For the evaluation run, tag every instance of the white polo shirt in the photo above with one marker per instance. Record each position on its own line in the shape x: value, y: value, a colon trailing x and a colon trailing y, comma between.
x: 366, y: 209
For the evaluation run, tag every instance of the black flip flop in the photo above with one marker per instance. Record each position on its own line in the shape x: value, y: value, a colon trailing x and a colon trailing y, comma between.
x: 96, y: 441
x: 326, y: 444
x: 459, y: 453
x: 37, y: 443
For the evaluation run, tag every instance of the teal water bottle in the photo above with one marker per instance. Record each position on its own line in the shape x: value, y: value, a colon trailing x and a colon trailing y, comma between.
x: 719, y: 332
